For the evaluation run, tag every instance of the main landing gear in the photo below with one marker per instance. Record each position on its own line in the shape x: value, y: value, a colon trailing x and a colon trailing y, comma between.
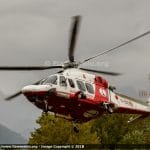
x: 50, y: 92
x: 45, y: 110
x: 107, y: 107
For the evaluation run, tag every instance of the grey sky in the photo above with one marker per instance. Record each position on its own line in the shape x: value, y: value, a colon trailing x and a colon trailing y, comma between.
x: 34, y: 32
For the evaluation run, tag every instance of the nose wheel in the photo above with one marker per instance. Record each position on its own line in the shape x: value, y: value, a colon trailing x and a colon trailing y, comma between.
x: 45, y: 107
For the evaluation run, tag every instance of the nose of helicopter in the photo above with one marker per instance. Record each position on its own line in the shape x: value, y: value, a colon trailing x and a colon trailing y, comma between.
x: 27, y: 89
x: 32, y: 92
x: 30, y: 89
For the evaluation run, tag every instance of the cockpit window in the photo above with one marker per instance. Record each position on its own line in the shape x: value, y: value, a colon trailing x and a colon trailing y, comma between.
x: 81, y: 85
x: 71, y: 83
x: 63, y: 81
x: 89, y: 88
x: 42, y: 81
x: 51, y: 79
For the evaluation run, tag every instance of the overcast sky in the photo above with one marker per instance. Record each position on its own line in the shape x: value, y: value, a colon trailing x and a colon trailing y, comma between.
x: 36, y: 32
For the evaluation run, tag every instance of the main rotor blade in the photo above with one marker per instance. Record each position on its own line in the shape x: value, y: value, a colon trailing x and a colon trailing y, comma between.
x: 102, y: 72
x: 114, y: 48
x: 19, y: 93
x: 73, y: 37
x: 27, y: 68
x: 13, y: 96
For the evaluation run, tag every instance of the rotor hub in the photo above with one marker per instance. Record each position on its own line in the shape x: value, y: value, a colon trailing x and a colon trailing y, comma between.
x: 70, y: 65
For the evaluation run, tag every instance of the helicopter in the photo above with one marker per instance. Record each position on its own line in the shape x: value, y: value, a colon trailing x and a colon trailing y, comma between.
x: 76, y: 93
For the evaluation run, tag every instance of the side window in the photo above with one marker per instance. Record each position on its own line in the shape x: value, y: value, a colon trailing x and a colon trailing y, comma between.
x: 71, y: 83
x: 89, y: 88
x: 51, y: 79
x: 81, y: 85
x: 62, y: 81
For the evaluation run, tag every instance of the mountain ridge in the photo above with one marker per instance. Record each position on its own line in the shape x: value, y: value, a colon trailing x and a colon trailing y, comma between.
x: 7, y: 136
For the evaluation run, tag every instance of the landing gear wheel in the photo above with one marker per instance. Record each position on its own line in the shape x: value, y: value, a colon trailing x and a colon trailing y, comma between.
x: 76, y: 129
x: 105, y: 107
x: 109, y: 110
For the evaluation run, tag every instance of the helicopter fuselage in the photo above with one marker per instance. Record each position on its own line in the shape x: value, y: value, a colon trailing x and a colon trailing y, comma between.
x: 72, y: 93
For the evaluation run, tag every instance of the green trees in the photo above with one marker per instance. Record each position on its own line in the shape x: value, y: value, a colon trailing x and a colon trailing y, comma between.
x: 108, y: 129
x: 59, y: 131
x: 115, y: 129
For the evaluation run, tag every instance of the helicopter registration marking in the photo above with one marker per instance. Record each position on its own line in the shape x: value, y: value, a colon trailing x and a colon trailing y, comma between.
x: 127, y: 102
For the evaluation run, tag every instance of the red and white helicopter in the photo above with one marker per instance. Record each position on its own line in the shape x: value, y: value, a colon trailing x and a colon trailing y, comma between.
x: 76, y: 94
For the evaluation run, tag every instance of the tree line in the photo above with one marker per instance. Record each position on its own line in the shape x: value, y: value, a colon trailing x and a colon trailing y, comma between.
x: 108, y: 129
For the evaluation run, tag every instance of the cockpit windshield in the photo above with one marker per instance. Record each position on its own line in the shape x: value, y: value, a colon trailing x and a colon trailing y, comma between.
x: 51, y: 79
